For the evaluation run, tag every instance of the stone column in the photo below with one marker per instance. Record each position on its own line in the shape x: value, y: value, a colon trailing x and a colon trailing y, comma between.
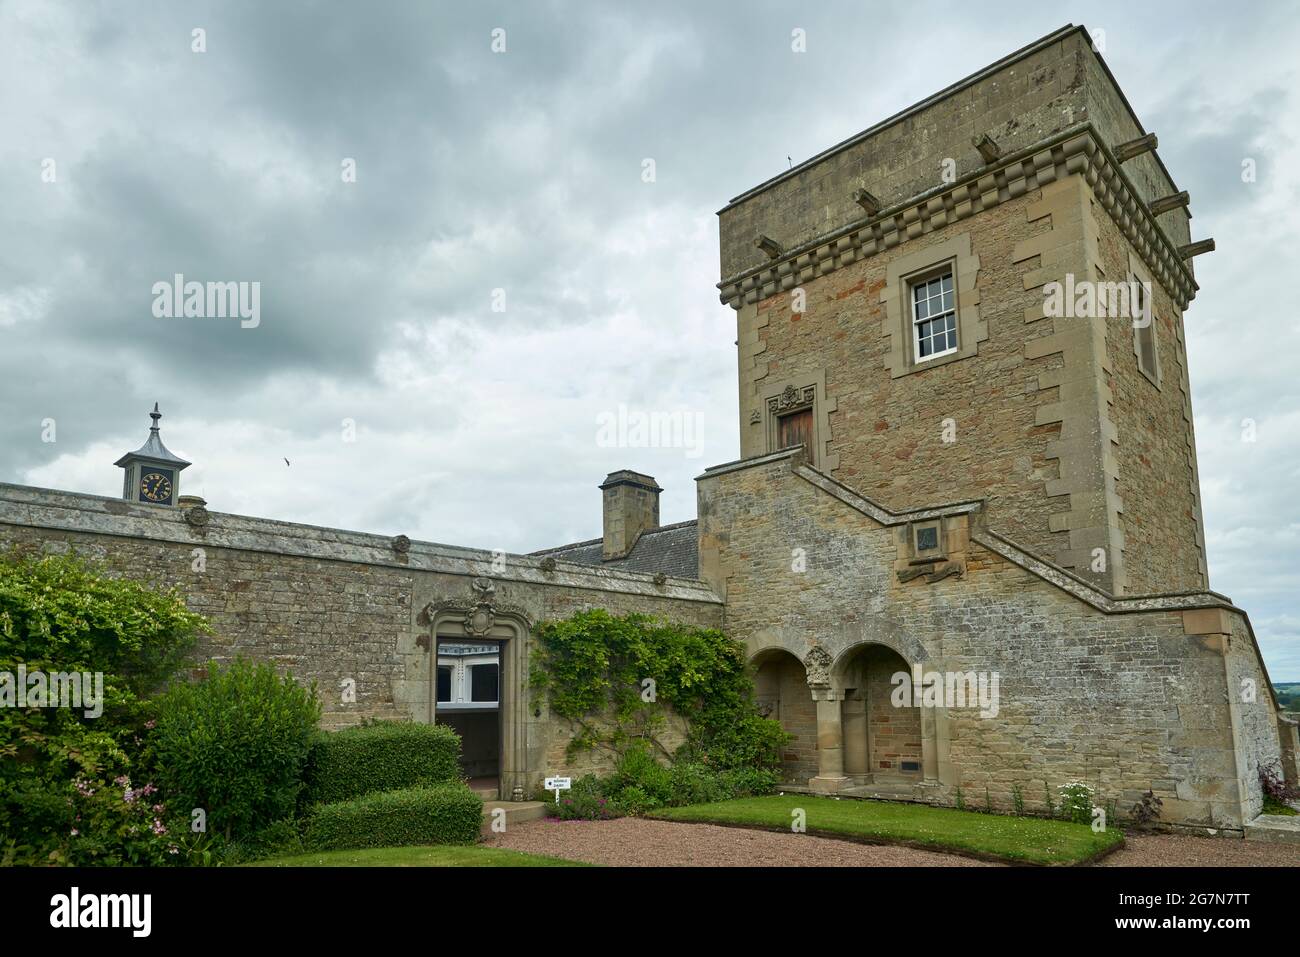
x: 830, y: 733
x: 830, y: 744
x: 929, y: 747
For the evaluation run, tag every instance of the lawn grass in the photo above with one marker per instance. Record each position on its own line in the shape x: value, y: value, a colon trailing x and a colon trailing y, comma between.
x: 426, y: 856
x: 1022, y: 840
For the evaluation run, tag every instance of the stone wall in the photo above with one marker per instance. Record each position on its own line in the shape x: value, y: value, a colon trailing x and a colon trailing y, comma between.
x: 782, y: 692
x: 1114, y: 693
x: 344, y: 609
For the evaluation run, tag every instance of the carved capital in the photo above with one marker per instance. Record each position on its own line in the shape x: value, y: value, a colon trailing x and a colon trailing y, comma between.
x: 817, y: 663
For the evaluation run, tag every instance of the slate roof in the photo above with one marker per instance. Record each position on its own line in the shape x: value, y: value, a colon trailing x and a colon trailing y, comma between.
x: 671, y: 549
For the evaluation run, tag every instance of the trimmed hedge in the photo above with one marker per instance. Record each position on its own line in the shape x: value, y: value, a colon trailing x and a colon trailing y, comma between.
x: 443, y: 814
x: 382, y: 756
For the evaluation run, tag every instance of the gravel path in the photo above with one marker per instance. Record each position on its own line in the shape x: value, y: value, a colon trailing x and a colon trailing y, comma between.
x: 639, y: 842
x: 1185, y: 850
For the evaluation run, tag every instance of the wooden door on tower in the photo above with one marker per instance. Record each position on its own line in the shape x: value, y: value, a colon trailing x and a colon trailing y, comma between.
x: 796, y: 428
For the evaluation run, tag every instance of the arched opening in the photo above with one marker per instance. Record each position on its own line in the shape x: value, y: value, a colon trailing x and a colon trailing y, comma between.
x: 781, y: 686
x: 882, y: 741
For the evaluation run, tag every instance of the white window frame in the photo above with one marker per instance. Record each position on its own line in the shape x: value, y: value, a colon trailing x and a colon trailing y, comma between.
x: 916, y: 283
x: 461, y: 682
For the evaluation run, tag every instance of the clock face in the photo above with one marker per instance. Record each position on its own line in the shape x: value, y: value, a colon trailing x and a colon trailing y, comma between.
x: 156, y: 485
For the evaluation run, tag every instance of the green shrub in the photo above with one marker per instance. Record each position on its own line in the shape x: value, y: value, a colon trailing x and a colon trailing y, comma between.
x: 380, y: 756
x: 697, y: 784
x: 441, y: 814
x: 637, y: 768
x: 633, y: 801
x: 640, y: 784
x: 235, y: 745
x: 281, y: 838
x: 747, y: 782
x: 66, y: 777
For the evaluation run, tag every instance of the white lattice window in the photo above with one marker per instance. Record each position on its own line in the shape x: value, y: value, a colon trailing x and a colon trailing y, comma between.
x: 934, y: 317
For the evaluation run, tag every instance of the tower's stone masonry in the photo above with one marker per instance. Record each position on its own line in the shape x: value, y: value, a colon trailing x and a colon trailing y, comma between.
x: 1047, y: 418
x: 887, y: 435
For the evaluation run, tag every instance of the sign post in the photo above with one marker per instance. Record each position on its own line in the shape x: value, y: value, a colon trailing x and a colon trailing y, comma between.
x: 557, y: 785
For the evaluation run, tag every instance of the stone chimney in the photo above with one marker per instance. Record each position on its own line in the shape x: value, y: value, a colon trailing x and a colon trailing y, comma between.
x: 630, y: 507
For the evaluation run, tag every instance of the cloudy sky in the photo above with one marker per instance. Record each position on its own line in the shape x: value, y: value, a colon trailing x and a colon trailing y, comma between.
x: 500, y: 274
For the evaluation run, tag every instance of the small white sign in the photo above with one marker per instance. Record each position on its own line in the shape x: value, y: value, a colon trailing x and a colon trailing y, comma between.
x: 557, y: 785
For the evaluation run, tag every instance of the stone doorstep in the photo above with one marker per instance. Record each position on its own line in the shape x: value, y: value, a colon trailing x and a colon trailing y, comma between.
x: 1274, y: 829
x: 517, y: 812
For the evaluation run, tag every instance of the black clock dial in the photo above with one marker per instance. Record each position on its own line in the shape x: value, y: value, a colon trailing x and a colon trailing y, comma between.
x: 155, y: 486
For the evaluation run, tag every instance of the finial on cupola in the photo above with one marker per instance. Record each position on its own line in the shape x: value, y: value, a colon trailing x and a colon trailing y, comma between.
x: 153, y: 474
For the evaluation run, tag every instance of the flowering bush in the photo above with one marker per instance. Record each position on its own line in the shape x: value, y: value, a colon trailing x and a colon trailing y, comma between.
x: 1076, y: 802
x: 59, y: 803
x: 114, y: 823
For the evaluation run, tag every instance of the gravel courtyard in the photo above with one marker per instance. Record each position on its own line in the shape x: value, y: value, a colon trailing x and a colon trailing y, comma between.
x: 639, y: 842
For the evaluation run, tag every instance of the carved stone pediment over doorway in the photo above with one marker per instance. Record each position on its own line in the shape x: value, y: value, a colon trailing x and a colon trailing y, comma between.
x: 817, y: 663
x: 477, y: 614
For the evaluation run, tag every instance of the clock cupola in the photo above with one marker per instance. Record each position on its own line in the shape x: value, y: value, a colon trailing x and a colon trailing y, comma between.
x: 153, y: 474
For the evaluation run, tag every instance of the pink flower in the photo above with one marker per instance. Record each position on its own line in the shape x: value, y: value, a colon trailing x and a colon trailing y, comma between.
x: 75, y: 832
x: 158, y: 827
x: 128, y: 795
x: 150, y: 724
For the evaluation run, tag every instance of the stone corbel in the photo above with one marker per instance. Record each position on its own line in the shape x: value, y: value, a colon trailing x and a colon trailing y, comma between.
x: 1195, y: 249
x: 1165, y: 203
x: 868, y: 202
x: 1143, y: 144
x: 989, y: 151
x: 769, y: 246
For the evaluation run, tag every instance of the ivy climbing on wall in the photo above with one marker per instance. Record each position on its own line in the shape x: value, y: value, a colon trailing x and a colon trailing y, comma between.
x: 615, y: 676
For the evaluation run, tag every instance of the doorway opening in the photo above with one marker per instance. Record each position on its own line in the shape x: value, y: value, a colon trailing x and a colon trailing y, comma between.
x: 468, y: 702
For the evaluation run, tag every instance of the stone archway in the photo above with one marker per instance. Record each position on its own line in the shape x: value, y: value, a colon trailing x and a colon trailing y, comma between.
x: 883, y: 742
x: 781, y: 689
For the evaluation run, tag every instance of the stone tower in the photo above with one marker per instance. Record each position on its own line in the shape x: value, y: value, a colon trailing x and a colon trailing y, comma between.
x: 894, y: 301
